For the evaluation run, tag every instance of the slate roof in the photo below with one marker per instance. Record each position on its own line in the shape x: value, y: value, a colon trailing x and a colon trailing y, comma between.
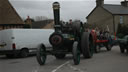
x: 113, y: 9
x: 116, y: 9
x: 8, y: 14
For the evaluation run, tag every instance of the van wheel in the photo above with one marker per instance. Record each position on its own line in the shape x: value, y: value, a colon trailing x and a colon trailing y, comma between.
x: 24, y: 53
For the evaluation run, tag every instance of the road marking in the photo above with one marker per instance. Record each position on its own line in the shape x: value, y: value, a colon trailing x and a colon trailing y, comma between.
x: 36, y: 69
x: 60, y: 66
x: 75, y: 69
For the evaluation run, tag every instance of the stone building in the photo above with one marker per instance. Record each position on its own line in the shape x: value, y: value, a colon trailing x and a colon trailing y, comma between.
x: 9, y: 18
x: 108, y: 16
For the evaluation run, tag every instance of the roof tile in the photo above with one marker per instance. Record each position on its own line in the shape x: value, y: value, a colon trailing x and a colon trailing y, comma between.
x: 116, y: 9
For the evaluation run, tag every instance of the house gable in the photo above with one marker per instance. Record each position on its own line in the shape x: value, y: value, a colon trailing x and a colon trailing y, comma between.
x: 8, y: 14
x: 95, y: 9
x: 100, y: 18
x: 99, y: 12
x: 91, y: 12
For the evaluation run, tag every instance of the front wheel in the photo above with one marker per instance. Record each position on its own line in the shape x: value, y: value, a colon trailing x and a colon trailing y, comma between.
x: 41, y: 55
x: 76, y: 53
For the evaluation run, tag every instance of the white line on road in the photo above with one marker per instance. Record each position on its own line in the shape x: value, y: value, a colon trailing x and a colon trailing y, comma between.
x: 36, y: 69
x: 75, y: 69
x: 60, y: 66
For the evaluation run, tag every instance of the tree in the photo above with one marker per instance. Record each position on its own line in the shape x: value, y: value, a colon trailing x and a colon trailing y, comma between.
x: 122, y: 30
x: 40, y: 18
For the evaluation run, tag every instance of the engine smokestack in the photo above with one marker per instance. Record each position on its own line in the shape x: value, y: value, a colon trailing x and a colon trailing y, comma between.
x: 56, y: 10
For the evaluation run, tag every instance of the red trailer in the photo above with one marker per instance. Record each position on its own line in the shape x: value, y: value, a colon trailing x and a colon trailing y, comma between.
x: 102, y: 40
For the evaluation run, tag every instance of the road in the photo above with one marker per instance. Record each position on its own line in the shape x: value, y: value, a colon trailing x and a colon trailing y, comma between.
x: 112, y: 61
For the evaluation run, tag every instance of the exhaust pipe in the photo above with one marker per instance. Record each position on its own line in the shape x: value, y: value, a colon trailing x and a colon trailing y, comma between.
x: 56, y: 10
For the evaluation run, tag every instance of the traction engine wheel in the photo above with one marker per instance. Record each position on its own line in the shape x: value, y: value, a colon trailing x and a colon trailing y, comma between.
x: 87, y: 45
x: 41, y: 55
x: 76, y: 53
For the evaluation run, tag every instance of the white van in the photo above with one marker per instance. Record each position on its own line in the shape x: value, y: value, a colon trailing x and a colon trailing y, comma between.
x: 23, y: 41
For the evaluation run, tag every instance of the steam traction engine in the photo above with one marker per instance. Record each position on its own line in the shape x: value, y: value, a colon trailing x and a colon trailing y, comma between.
x: 67, y: 39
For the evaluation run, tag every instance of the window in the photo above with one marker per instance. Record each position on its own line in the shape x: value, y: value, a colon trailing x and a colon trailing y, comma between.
x: 121, y: 20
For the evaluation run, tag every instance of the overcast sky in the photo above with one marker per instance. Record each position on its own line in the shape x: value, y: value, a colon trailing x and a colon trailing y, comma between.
x: 70, y: 9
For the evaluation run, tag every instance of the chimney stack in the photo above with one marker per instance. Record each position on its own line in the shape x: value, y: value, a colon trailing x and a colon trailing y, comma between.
x: 124, y: 3
x: 28, y: 20
x: 99, y: 2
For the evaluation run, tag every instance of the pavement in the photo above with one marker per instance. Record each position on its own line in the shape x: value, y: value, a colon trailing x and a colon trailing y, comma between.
x: 112, y: 61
